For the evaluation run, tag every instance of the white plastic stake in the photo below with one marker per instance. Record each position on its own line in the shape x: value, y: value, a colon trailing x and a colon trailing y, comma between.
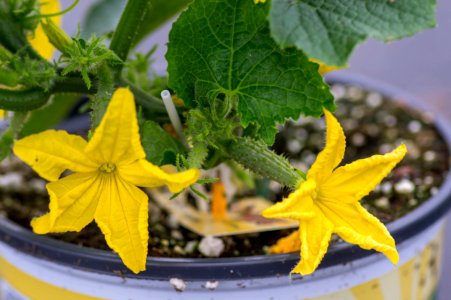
x: 173, y: 115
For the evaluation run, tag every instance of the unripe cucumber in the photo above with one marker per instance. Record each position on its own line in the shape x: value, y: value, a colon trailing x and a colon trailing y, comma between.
x: 23, y: 100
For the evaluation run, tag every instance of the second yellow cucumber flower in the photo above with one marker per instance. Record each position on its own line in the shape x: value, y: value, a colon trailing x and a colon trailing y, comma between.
x: 106, y: 171
x: 328, y: 201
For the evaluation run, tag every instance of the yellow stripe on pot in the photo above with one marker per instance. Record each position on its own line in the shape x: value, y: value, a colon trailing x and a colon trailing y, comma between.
x: 34, y: 288
x: 406, y: 279
x: 437, y: 255
x: 368, y: 290
x: 342, y: 295
x: 422, y: 282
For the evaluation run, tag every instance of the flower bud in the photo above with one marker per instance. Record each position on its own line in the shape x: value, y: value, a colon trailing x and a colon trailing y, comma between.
x: 57, y: 37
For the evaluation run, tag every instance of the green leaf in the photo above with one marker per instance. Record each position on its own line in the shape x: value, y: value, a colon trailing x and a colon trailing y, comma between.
x: 223, y: 49
x: 160, y: 147
x: 328, y: 30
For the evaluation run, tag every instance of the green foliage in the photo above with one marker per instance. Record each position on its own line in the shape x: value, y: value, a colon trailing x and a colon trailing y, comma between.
x: 31, y: 72
x: 329, y: 30
x: 87, y: 57
x: 8, y: 78
x: 5, y: 56
x: 138, y: 69
x: 139, y: 72
x: 160, y: 147
x: 16, y: 20
x: 222, y: 50
x: 225, y: 62
x: 23, y: 12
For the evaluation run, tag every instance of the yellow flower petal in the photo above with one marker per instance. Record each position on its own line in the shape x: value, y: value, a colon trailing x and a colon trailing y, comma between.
x: 143, y: 173
x: 332, y: 154
x: 51, y: 152
x: 297, y: 206
x: 334, y: 201
x: 354, y: 181
x: 73, y: 202
x: 117, y: 137
x: 315, y: 236
x: 323, y: 68
x: 357, y: 226
x: 122, y: 216
x: 39, y: 40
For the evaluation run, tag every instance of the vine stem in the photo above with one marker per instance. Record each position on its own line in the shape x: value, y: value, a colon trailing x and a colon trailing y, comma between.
x: 72, y: 6
x: 128, y: 29
x: 146, y: 100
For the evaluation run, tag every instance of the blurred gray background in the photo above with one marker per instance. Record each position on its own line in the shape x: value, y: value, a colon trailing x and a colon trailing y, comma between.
x: 420, y: 65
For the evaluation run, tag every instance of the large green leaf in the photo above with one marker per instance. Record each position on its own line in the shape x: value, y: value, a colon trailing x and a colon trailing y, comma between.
x: 223, y: 49
x: 328, y: 30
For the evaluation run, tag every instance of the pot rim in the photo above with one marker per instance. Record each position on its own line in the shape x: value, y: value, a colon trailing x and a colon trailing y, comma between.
x: 248, y: 267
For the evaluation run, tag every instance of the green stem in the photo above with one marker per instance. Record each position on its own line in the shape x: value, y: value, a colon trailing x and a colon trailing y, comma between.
x: 128, y: 29
x: 197, y: 155
x: 71, y: 85
x: 8, y: 136
x: 60, y: 13
x: 105, y: 89
x: 17, y: 122
x: 255, y: 156
x: 146, y: 100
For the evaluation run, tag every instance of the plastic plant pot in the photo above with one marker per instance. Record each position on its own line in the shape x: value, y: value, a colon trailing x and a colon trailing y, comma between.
x: 38, y: 267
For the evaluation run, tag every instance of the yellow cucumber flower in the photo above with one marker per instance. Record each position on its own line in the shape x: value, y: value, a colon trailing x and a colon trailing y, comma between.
x: 39, y: 40
x: 106, y: 171
x: 328, y: 201
x: 259, y: 1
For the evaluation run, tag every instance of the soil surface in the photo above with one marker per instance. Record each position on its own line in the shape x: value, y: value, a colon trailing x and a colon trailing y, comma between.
x: 372, y: 124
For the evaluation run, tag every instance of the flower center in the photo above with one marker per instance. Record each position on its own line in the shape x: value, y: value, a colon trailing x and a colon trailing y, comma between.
x: 315, y: 194
x: 107, y: 168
